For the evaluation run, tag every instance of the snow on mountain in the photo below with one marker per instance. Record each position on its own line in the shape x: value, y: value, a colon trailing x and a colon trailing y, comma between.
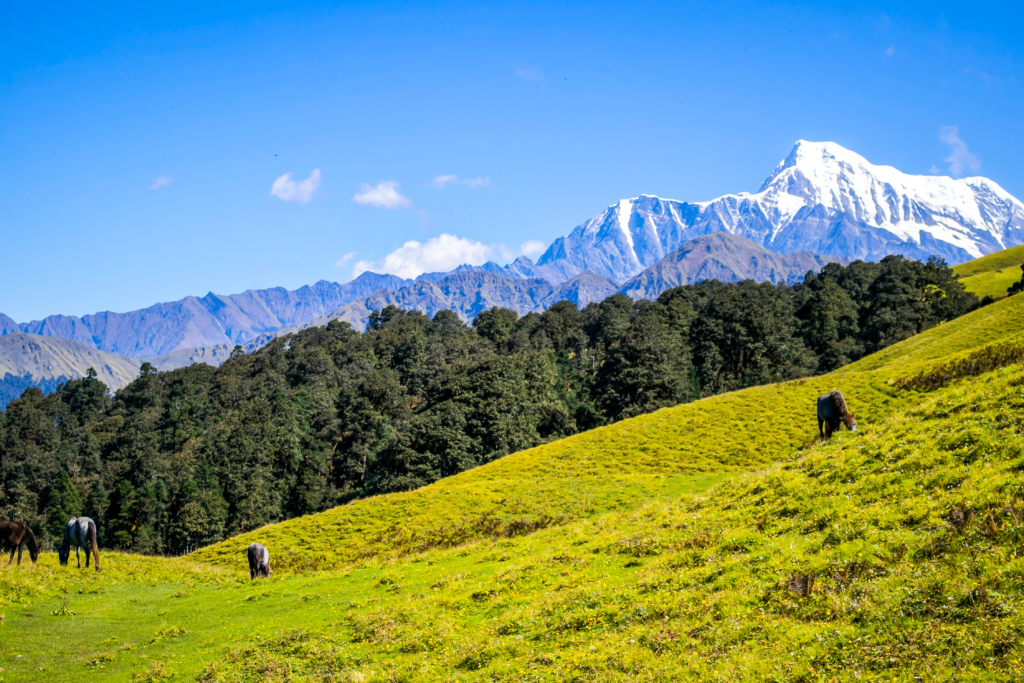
x: 821, y: 198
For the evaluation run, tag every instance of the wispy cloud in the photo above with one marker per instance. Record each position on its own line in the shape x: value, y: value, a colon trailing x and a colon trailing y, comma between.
x: 441, y: 253
x: 530, y: 73
x: 531, y: 248
x: 442, y: 180
x: 890, y: 51
x: 160, y: 181
x: 385, y: 195
x: 960, y: 158
x: 286, y: 189
x: 344, y: 259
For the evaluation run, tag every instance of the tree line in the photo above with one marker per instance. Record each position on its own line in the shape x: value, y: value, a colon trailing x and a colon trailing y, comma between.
x: 181, y: 459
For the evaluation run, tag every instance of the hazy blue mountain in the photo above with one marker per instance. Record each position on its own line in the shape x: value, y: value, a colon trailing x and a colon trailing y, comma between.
x: 207, y: 321
x: 821, y: 198
x: 7, y: 325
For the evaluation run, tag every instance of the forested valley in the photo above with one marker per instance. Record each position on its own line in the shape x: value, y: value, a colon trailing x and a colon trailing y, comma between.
x: 182, y: 459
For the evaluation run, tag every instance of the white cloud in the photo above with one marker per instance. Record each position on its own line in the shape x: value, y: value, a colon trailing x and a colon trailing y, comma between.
x: 442, y: 180
x: 531, y: 248
x: 160, y: 181
x: 385, y: 195
x: 530, y: 73
x: 441, y: 253
x: 890, y: 51
x: 288, y: 190
x: 960, y: 158
x: 344, y: 259
x: 935, y: 170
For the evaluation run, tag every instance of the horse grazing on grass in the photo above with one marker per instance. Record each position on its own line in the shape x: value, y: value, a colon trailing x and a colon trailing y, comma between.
x: 259, y: 560
x: 81, y: 533
x: 833, y: 414
x: 16, y: 536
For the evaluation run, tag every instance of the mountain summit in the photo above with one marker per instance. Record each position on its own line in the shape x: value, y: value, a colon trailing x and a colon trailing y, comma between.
x: 821, y: 198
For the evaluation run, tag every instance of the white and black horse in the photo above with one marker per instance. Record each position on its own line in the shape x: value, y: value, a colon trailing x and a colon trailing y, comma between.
x: 81, y: 533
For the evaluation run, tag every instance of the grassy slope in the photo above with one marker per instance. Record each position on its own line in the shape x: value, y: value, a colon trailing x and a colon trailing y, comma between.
x: 991, y: 275
x: 614, y: 467
x: 670, y: 581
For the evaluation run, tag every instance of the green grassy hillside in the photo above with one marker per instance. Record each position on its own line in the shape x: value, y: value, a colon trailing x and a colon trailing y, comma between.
x: 614, y: 467
x: 991, y: 275
x: 712, y: 541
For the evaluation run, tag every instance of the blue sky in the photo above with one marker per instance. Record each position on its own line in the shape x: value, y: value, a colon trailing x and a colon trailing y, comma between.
x: 140, y: 147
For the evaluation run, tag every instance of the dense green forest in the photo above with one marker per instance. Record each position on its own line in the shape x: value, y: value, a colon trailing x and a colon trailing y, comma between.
x: 184, y: 458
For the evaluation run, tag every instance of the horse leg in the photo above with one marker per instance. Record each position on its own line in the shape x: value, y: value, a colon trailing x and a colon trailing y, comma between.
x: 21, y: 547
x: 12, y: 558
x: 821, y: 433
x: 78, y: 556
x: 86, y: 557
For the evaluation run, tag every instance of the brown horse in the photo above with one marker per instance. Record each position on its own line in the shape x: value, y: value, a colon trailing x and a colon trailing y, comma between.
x: 833, y: 414
x: 15, y: 536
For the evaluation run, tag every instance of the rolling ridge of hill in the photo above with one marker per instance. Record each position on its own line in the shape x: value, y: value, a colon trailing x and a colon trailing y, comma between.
x: 993, y: 274
x: 886, y: 554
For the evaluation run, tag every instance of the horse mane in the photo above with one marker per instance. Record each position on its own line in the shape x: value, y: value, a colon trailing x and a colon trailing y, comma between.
x: 840, y: 402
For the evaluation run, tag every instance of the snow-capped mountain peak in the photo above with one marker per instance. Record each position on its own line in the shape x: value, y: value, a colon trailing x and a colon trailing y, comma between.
x: 822, y: 197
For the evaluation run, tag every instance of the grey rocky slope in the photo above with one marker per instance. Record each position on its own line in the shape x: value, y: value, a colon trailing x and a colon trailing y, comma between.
x: 34, y: 360
x: 821, y: 198
x: 722, y: 257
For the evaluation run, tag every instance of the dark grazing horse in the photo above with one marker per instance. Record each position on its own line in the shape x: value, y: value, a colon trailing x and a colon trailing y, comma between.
x: 259, y: 560
x: 16, y: 536
x: 833, y: 414
x: 81, y: 533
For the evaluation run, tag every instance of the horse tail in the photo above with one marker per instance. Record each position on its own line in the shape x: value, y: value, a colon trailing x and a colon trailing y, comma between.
x: 94, y: 544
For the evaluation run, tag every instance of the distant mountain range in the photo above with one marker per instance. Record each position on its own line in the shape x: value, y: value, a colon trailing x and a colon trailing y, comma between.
x: 821, y: 203
x: 468, y: 290
x: 203, y: 321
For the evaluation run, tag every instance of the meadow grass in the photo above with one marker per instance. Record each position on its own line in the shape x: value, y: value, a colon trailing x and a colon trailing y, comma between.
x: 994, y: 284
x: 717, y: 540
x: 993, y: 274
